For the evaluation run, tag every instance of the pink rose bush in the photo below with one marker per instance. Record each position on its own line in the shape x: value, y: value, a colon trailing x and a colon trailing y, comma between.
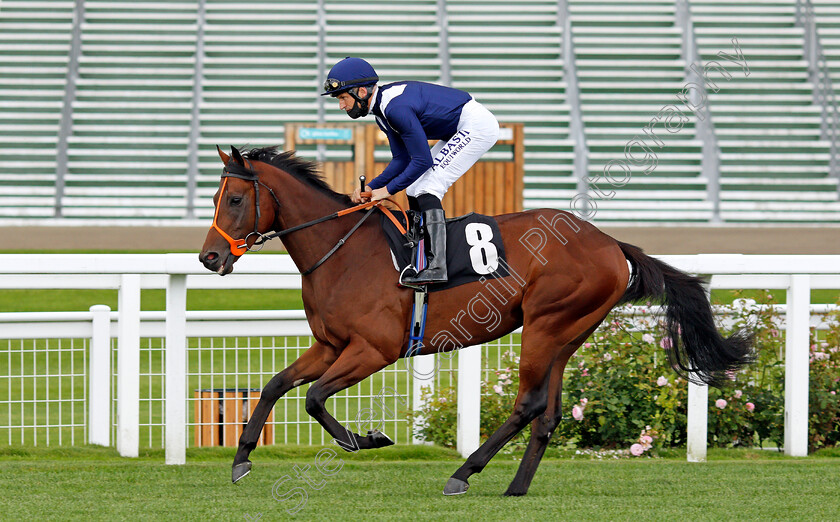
x: 645, y: 442
x: 619, y: 384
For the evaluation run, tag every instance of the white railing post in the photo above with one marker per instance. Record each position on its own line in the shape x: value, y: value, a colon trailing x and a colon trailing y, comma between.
x: 176, y: 369
x: 698, y: 419
x: 697, y: 428
x: 128, y: 367
x: 99, y: 377
x: 796, y: 365
x: 469, y: 399
x: 423, y: 370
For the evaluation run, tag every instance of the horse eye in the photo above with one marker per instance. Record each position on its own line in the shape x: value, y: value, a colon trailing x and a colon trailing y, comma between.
x: 235, y: 201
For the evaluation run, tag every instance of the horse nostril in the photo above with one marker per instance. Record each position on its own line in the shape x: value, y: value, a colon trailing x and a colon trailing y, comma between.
x: 211, y: 256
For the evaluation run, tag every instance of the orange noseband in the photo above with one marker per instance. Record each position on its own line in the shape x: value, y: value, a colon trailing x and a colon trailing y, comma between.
x: 237, y: 246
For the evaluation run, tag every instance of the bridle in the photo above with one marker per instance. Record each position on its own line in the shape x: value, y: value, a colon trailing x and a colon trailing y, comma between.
x: 239, y: 246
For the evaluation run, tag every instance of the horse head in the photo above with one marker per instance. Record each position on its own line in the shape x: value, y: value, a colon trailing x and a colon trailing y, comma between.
x: 243, y: 213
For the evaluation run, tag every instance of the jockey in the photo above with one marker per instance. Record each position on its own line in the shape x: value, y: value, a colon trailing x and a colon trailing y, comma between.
x: 410, y: 113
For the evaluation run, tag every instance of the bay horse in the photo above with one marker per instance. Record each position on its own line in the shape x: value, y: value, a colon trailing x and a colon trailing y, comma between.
x: 565, y: 277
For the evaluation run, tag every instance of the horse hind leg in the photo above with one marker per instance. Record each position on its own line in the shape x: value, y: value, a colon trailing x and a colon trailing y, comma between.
x: 308, y: 367
x: 541, y: 429
x: 541, y: 365
x: 531, y: 400
x: 543, y: 426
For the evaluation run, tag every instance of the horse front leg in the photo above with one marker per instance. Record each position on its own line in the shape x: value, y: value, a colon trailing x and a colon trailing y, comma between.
x: 358, y: 361
x: 308, y: 367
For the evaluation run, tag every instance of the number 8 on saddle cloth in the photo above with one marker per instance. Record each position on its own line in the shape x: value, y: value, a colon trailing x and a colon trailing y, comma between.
x: 473, y: 244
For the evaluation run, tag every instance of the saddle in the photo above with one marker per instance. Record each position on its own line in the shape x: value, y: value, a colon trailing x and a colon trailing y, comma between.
x: 474, y: 247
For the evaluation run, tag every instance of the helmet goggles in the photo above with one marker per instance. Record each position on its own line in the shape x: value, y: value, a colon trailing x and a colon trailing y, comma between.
x: 334, y: 86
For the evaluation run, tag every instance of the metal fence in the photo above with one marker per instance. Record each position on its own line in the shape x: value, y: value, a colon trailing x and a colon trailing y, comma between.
x: 45, y: 381
x: 43, y: 397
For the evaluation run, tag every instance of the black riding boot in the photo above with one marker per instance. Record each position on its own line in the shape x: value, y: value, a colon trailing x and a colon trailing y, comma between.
x: 435, y: 271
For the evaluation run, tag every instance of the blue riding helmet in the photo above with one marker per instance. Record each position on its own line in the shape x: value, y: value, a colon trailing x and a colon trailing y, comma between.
x: 348, y: 73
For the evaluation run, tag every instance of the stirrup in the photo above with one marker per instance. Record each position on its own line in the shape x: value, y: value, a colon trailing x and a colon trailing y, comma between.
x: 413, y: 270
x: 438, y: 281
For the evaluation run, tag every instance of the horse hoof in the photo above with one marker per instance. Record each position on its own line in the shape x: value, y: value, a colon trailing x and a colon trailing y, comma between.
x: 514, y: 493
x: 455, y: 487
x: 379, y: 439
x: 240, y: 470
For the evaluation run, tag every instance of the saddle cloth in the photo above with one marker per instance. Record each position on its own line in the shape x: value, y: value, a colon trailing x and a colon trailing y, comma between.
x: 474, y: 248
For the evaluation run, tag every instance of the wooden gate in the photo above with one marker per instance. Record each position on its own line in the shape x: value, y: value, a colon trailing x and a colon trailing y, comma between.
x: 341, y: 175
x: 221, y: 415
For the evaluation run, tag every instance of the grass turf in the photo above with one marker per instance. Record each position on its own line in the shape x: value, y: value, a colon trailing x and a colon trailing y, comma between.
x: 404, y: 482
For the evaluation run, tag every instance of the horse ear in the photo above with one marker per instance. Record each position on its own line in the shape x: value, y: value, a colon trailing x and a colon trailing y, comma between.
x: 237, y: 157
x: 222, y: 155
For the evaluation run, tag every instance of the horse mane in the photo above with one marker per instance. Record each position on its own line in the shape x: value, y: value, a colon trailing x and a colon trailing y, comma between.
x: 302, y: 169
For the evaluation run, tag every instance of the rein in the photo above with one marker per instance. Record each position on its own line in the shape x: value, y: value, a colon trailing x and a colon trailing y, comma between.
x: 239, y: 246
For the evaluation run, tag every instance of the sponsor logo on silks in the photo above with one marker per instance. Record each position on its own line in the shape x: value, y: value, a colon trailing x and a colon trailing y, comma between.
x: 446, y: 154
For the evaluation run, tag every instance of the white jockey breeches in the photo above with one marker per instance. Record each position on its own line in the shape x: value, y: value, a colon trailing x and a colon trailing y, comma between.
x: 478, y: 130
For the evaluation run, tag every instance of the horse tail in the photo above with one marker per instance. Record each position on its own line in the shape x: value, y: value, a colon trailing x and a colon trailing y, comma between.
x: 696, y: 351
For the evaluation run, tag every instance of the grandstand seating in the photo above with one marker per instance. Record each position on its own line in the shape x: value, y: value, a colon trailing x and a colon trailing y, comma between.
x: 828, y: 27
x: 773, y: 162
x: 260, y: 72
x: 157, y: 78
x: 127, y: 156
x: 401, y: 40
x: 132, y: 111
x: 630, y: 67
x: 34, y: 46
x: 827, y: 16
x: 509, y: 56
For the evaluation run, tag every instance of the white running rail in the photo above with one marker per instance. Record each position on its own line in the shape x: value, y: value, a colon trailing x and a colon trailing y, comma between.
x: 129, y: 273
